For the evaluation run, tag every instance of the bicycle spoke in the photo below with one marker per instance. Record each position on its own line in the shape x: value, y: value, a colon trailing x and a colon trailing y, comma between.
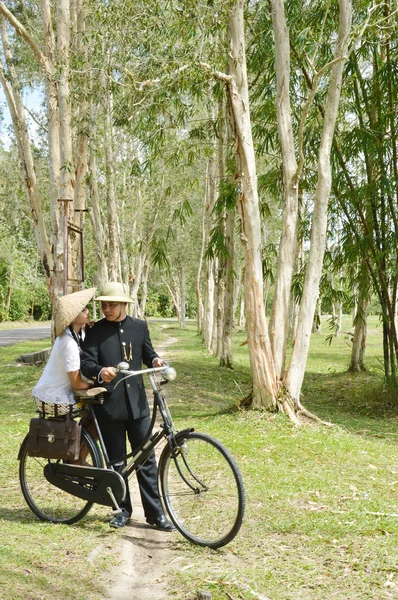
x: 203, y: 491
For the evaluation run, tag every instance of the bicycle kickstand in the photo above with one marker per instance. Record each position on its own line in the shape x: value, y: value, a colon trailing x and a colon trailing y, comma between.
x: 117, y: 510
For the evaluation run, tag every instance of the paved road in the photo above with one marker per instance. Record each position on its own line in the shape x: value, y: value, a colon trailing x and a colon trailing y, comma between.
x: 14, y: 336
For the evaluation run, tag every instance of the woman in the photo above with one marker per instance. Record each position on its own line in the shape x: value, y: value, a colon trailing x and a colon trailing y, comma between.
x: 54, y: 391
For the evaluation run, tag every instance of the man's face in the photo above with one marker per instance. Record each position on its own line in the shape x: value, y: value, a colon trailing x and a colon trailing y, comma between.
x: 114, y: 311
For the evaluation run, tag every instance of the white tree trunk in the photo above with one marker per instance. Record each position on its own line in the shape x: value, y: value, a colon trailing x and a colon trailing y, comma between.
x: 182, y: 296
x: 198, y: 288
x: 226, y: 358
x: 360, y: 331
x: 95, y: 215
x: 138, y: 270
x: 208, y: 313
x: 279, y: 320
x: 261, y: 363
x: 295, y: 373
x: 220, y: 308
x: 113, y: 220
x: 13, y: 96
x: 359, y: 338
x: 144, y: 289
x: 213, y: 341
x: 54, y: 162
x: 82, y: 121
x: 242, y: 318
x: 66, y: 188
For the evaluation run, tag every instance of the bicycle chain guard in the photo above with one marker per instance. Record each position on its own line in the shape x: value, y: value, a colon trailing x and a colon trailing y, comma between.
x: 88, y: 483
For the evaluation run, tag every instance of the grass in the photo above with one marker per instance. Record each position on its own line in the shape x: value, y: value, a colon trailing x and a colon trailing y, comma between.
x: 321, y: 518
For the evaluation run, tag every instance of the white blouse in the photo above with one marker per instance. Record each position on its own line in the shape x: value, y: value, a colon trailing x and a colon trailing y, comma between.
x: 54, y: 385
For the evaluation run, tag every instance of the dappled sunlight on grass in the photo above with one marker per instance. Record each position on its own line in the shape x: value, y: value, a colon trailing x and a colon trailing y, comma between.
x: 321, y: 519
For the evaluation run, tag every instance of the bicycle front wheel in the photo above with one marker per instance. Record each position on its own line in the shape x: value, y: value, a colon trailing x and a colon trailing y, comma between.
x: 202, y: 490
x: 46, y: 501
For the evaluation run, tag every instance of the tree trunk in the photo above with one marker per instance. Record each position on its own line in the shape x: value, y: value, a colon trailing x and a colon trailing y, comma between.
x: 220, y: 308
x: 95, y: 215
x: 317, y: 323
x: 242, y: 320
x: 82, y: 123
x: 66, y: 193
x: 182, y: 296
x: 226, y: 359
x: 295, y: 373
x: 262, y: 368
x: 144, y: 288
x: 176, y: 300
x: 53, y: 144
x: 214, y: 331
x: 279, y: 320
x: 208, y: 313
x: 9, y: 292
x: 14, y: 100
x: 359, y: 338
x: 113, y: 220
x: 138, y: 270
x: 198, y: 289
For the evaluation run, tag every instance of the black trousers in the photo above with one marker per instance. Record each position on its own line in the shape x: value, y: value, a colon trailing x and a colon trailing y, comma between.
x: 114, y: 434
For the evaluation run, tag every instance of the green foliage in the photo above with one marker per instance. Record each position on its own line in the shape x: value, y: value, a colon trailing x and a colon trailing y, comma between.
x: 159, y: 305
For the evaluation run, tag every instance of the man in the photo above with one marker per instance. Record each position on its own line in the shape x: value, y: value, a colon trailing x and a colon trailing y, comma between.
x: 111, y: 340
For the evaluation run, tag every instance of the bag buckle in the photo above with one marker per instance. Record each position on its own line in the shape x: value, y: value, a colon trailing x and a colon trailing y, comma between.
x: 51, y: 438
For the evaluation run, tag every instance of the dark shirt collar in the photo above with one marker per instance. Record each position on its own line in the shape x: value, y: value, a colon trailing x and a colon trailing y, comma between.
x: 118, y: 324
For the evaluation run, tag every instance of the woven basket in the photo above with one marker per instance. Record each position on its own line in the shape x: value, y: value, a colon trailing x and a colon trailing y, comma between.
x: 55, y: 410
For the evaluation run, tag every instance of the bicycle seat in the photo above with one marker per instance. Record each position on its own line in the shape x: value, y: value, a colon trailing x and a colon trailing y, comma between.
x: 90, y: 393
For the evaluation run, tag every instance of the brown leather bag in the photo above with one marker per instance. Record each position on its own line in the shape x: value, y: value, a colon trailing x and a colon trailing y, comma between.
x: 54, y: 437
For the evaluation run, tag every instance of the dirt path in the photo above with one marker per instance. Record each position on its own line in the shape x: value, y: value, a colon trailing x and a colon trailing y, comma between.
x: 144, y: 554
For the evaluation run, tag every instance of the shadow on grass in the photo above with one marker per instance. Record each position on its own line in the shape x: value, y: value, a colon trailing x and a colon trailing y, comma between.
x: 187, y: 413
x: 357, y: 401
x: 94, y: 522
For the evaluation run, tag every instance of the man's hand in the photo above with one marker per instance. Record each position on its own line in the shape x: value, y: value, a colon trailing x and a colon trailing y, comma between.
x: 108, y: 374
x: 158, y: 362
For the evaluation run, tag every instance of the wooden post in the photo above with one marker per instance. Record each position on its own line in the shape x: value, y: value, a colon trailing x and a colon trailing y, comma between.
x: 65, y: 224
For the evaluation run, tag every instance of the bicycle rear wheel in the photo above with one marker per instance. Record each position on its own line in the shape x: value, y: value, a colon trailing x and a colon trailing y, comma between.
x: 46, y: 501
x: 202, y: 490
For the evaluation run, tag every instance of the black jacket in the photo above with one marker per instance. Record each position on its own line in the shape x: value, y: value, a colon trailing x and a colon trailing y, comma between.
x: 103, y: 347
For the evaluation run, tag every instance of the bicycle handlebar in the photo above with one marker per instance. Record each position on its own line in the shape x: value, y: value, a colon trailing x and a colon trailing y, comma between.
x: 168, y: 372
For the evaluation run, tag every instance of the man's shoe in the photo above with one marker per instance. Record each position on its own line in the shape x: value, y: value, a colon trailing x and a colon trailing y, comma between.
x: 120, y: 520
x: 162, y: 523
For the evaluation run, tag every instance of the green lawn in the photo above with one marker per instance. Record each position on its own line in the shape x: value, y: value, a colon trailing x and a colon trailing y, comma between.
x: 321, y: 519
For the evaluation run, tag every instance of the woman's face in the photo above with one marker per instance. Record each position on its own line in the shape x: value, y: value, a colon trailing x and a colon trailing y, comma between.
x: 82, y: 318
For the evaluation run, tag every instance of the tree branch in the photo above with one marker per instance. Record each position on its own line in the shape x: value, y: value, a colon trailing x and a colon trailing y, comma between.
x: 217, y: 74
x: 148, y: 83
x: 306, y: 110
x: 20, y: 29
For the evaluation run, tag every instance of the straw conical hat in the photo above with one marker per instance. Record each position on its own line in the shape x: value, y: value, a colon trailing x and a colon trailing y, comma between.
x: 68, y: 307
x: 113, y: 291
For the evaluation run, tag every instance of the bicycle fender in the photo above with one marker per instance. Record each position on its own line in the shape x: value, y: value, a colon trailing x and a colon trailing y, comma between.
x: 22, y: 447
x: 184, y: 432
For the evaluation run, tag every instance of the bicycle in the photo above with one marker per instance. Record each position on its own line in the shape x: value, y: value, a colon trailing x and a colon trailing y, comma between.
x: 200, y: 486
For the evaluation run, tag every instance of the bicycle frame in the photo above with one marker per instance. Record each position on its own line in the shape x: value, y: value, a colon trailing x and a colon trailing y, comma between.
x: 167, y: 431
x: 199, y: 483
